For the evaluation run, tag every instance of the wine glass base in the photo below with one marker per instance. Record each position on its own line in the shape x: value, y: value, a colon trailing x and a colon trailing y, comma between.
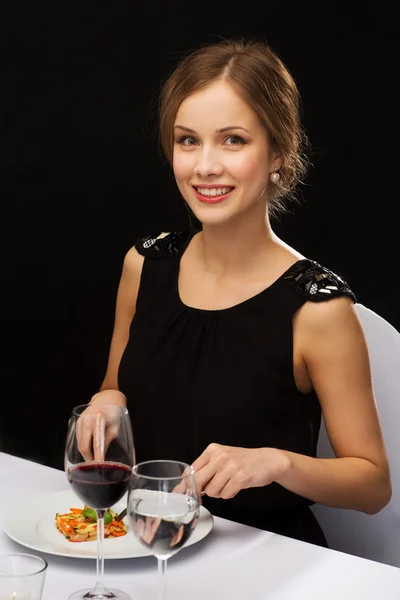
x: 108, y: 594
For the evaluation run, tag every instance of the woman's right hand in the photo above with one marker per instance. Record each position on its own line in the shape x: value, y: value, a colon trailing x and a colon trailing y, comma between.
x: 98, y: 425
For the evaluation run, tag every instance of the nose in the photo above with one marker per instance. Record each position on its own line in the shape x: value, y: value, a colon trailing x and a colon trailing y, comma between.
x: 208, y: 164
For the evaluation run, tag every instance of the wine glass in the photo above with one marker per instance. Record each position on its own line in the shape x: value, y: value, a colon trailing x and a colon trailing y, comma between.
x: 163, y: 508
x: 99, y: 456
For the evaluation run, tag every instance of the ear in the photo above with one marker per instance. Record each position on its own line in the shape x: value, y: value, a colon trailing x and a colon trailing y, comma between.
x: 277, y: 160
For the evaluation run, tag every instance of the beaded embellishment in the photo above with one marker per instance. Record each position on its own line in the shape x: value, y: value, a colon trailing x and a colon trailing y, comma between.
x: 310, y: 280
x: 314, y: 282
x: 160, y: 245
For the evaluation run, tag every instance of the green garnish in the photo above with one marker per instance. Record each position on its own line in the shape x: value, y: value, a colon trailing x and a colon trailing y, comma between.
x: 91, y: 514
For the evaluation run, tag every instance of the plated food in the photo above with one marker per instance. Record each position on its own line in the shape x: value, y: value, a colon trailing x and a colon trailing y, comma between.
x: 80, y: 524
x: 35, y: 529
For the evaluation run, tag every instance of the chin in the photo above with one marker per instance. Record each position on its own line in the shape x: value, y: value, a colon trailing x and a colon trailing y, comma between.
x: 213, y: 219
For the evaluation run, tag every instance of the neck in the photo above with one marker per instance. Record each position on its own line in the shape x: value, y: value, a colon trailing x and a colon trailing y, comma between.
x: 230, y: 249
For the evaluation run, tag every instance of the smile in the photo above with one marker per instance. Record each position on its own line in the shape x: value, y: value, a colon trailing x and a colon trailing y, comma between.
x: 212, y: 195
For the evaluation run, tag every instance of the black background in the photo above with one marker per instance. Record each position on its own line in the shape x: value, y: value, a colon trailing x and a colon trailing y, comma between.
x: 82, y: 176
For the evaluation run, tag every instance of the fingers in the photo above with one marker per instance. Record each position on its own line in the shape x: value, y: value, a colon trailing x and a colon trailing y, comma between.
x: 204, y: 476
x: 217, y: 484
x: 150, y: 529
x: 139, y: 527
x: 94, y: 434
x: 110, y: 435
x: 202, y: 460
x: 99, y: 436
x: 217, y: 472
x: 203, y: 469
x: 229, y: 490
x: 84, y: 436
x: 180, y: 488
x: 186, y: 483
x: 188, y: 471
x: 177, y: 537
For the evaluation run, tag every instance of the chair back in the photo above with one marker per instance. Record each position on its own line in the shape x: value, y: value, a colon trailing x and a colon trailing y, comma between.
x: 376, y: 537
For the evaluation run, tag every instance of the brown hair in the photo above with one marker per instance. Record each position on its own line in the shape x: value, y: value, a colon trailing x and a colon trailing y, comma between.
x: 259, y: 76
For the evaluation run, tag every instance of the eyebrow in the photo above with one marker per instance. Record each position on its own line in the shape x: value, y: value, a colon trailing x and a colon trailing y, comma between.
x: 218, y: 130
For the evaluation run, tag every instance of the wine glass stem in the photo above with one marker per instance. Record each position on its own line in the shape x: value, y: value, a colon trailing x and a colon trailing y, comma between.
x: 162, y: 576
x: 99, y: 587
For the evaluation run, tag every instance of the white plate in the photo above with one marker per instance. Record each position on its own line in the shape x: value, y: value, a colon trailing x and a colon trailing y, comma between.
x: 32, y: 525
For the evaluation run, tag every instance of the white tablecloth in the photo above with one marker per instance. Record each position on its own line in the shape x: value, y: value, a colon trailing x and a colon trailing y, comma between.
x: 233, y: 562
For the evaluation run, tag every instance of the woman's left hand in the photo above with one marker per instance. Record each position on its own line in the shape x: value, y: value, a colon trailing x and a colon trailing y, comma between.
x: 222, y: 471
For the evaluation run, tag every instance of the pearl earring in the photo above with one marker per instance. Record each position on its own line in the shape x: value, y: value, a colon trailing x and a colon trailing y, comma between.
x: 275, y: 177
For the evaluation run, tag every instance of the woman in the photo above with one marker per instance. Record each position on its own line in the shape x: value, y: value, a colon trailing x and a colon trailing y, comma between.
x: 227, y: 342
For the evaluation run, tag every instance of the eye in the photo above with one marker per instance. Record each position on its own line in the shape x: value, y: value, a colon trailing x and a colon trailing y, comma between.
x: 186, y: 140
x: 235, y: 140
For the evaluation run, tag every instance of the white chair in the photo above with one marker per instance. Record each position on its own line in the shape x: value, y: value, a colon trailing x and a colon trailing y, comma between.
x: 376, y: 537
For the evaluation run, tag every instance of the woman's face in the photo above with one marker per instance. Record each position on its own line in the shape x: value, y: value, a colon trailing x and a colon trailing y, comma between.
x: 222, y: 157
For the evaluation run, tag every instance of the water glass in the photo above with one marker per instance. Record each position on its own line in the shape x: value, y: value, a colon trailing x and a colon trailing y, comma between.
x: 164, y: 508
x: 22, y: 576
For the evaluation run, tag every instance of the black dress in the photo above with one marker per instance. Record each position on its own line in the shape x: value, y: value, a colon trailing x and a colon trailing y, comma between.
x: 195, y: 376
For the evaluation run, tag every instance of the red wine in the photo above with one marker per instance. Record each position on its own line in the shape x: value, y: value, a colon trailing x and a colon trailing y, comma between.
x: 99, y: 484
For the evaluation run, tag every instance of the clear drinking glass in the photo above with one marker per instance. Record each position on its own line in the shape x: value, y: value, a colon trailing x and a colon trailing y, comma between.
x: 163, y: 508
x: 99, y: 457
x: 22, y: 576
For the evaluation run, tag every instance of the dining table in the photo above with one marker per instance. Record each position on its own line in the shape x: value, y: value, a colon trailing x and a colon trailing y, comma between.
x: 232, y: 562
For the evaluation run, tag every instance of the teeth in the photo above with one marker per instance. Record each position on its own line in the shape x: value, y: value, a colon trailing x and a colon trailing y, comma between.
x: 213, y: 191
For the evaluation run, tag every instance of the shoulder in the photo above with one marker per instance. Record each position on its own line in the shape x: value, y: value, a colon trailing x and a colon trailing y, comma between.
x: 131, y: 271
x: 162, y: 245
x: 314, y: 282
x: 329, y: 322
x: 330, y: 312
x: 133, y: 261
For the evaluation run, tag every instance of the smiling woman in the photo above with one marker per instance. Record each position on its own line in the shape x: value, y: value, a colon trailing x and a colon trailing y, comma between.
x: 261, y: 85
x: 240, y: 165
x: 228, y: 343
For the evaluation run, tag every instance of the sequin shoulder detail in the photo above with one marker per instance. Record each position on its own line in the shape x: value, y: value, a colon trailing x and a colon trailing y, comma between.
x: 312, y: 281
x: 162, y: 245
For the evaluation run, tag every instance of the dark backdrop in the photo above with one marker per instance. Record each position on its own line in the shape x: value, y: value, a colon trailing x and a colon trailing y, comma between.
x: 81, y: 174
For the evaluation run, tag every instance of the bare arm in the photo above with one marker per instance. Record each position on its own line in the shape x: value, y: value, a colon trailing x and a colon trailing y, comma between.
x: 124, y: 313
x: 109, y: 392
x: 334, y: 350
x: 335, y: 353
